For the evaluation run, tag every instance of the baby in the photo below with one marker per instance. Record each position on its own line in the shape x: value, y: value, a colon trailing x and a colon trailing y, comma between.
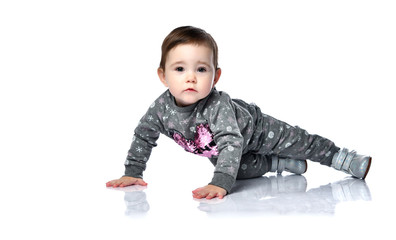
x: 239, y: 140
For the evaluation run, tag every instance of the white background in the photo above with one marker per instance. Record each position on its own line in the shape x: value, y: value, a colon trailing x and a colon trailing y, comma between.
x: 76, y: 76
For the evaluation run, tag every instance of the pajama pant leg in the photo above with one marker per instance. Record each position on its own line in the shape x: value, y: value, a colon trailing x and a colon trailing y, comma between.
x: 281, y: 139
x: 253, y: 165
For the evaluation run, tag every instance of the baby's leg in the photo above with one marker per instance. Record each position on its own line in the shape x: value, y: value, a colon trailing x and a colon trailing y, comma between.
x: 253, y: 165
x: 256, y: 165
x: 281, y: 139
x: 286, y: 141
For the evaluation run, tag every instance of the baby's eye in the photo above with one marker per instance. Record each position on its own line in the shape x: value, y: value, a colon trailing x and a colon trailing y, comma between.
x: 201, y: 69
x: 179, y: 69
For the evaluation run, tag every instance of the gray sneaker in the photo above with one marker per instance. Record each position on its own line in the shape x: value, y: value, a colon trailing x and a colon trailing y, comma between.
x: 289, y: 165
x: 352, y: 163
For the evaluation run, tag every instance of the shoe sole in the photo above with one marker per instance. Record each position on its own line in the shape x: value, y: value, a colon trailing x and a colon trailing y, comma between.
x: 368, y: 168
x: 306, y: 166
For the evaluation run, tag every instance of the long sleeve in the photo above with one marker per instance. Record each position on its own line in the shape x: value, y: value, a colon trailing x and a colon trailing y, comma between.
x: 146, y: 134
x: 229, y: 140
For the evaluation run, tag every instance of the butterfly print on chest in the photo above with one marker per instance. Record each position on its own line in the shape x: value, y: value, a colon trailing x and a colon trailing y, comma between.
x: 203, y: 143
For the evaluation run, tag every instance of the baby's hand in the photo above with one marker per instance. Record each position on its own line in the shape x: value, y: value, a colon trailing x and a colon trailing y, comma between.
x: 209, y: 192
x: 126, y: 181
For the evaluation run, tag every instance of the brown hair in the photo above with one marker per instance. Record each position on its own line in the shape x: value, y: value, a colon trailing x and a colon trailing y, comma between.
x: 188, y: 35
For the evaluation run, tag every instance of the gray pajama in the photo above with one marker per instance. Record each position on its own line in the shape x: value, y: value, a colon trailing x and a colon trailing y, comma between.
x: 236, y: 137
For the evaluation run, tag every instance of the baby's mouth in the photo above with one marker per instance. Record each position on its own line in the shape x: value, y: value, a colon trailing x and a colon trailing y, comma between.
x: 190, y: 90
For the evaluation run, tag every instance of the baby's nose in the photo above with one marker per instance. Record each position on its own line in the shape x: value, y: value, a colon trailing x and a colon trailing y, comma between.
x: 191, y: 77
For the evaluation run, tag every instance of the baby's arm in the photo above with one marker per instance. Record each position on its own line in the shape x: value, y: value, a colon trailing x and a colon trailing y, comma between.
x: 209, y: 192
x: 146, y: 134
x: 126, y: 181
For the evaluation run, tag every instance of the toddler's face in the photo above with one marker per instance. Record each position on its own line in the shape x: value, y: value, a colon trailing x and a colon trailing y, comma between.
x: 189, y: 73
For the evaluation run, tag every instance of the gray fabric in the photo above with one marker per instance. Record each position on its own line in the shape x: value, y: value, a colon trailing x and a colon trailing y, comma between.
x: 223, y: 129
x: 254, y: 165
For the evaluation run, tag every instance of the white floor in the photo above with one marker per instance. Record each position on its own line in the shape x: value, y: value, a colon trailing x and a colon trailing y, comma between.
x: 65, y: 200
x: 76, y: 76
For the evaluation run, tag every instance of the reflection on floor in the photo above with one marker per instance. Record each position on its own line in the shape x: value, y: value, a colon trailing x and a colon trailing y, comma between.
x: 281, y: 195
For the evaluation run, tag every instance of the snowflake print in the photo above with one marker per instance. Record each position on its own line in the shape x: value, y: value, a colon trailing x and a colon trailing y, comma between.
x: 139, y: 149
x: 328, y: 154
x: 232, y: 170
x: 271, y: 134
x: 230, y: 119
x: 171, y: 125
x: 172, y: 112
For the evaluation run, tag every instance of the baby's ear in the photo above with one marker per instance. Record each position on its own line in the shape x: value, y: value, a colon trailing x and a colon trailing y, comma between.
x: 217, y: 76
x: 161, y: 75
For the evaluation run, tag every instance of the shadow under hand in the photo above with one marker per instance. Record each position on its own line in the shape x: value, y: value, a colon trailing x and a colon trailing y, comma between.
x: 286, y: 195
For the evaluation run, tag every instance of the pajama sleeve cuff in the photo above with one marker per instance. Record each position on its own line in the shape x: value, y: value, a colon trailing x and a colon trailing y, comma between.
x: 133, y: 171
x: 223, y: 180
